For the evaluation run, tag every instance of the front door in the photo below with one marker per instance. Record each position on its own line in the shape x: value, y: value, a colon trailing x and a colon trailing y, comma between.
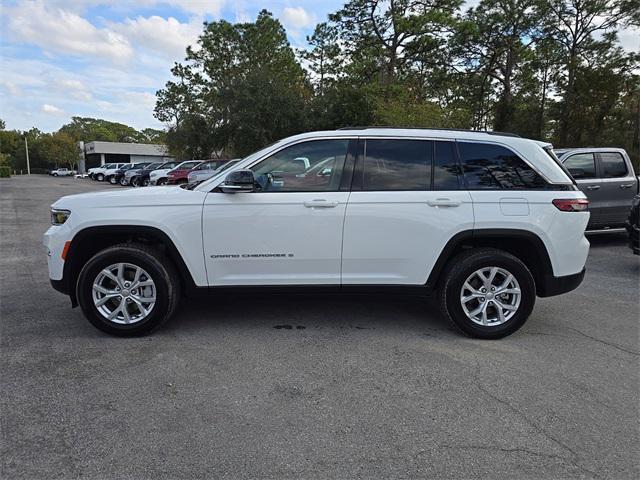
x: 289, y: 231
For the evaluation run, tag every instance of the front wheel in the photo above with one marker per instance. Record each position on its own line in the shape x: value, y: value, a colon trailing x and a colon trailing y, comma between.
x: 135, y: 182
x: 488, y: 293
x: 145, y: 182
x: 113, y: 180
x: 162, y: 181
x: 123, y: 181
x: 100, y: 177
x: 129, y: 289
x: 55, y: 174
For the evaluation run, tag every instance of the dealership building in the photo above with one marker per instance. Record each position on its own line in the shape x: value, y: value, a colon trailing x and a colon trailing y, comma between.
x: 94, y: 154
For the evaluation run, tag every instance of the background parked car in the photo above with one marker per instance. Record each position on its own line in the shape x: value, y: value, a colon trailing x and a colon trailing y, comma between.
x: 178, y: 176
x: 62, y: 172
x: 100, y: 173
x: 114, y: 177
x: 133, y: 176
x: 203, y: 172
x: 141, y: 177
x: 159, y: 177
x: 606, y: 176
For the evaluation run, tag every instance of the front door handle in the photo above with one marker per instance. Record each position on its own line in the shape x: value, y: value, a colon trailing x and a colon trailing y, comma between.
x: 444, y: 202
x: 626, y: 185
x: 593, y: 187
x: 320, y: 203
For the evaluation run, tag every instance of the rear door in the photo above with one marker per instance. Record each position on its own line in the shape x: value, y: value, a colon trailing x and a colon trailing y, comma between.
x: 583, y: 168
x: 403, y: 208
x: 617, y: 188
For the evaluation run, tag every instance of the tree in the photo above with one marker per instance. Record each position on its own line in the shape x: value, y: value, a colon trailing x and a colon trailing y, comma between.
x: 90, y: 129
x: 573, y: 23
x: 493, y: 42
x: 242, y: 89
x: 323, y: 58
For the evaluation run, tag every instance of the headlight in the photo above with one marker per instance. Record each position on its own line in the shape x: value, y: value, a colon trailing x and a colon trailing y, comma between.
x: 58, y: 217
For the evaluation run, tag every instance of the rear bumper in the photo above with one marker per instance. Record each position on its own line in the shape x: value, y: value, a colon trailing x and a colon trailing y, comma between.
x: 552, y: 285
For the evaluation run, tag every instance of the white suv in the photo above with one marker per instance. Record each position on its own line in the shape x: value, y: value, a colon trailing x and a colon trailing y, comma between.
x: 486, y: 221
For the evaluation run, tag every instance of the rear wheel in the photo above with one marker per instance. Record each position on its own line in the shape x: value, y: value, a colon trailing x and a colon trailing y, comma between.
x: 123, y: 181
x: 55, y: 174
x: 145, y: 182
x: 488, y: 293
x: 162, y: 181
x: 100, y: 177
x: 135, y: 182
x: 113, y: 180
x: 128, y: 289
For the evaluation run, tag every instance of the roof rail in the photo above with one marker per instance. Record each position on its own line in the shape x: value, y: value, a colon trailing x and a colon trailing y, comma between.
x: 502, y: 134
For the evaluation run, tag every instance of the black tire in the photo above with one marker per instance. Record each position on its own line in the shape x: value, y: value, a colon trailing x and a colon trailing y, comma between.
x: 123, y: 181
x: 162, y: 181
x: 55, y: 174
x: 145, y: 182
x: 159, y: 268
x: 100, y: 177
x: 113, y: 180
x: 461, y: 267
x: 135, y: 182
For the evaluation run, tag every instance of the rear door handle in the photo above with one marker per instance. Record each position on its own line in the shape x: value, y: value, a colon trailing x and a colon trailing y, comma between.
x: 320, y: 203
x: 444, y: 202
x: 626, y: 185
x: 593, y: 187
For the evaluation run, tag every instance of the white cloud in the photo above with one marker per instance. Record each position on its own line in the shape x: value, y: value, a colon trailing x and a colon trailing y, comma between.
x: 62, y: 31
x: 75, y: 88
x: 297, y: 17
x: 11, y: 87
x: 168, y: 37
x: 51, y: 109
x: 630, y: 39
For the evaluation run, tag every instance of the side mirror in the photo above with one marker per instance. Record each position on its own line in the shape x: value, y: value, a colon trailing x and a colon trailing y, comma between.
x: 239, y: 181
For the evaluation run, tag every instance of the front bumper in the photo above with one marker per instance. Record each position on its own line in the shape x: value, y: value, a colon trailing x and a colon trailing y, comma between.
x: 552, y: 285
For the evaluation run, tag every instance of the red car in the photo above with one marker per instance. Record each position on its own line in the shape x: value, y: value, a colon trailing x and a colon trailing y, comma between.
x: 180, y: 174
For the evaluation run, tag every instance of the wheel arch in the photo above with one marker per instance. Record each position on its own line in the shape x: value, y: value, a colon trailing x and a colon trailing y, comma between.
x: 89, y: 241
x: 523, y: 244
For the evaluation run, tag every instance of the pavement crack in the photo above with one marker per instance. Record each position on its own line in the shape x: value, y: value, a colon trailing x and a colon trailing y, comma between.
x: 614, y: 345
x: 536, y: 427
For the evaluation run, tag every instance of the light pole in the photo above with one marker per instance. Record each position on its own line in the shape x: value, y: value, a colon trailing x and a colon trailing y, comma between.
x: 26, y: 149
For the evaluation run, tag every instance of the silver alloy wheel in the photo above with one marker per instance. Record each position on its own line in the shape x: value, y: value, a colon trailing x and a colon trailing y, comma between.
x: 124, y: 293
x: 490, y: 296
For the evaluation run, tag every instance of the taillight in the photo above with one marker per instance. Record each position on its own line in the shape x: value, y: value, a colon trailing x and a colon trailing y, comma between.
x: 571, y: 204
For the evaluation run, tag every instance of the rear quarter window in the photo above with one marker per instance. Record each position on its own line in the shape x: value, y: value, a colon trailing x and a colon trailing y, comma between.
x: 494, y: 167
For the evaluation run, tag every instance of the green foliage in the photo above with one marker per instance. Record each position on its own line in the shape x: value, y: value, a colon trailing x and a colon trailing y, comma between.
x: 5, y: 172
x: 243, y: 88
x: 90, y: 129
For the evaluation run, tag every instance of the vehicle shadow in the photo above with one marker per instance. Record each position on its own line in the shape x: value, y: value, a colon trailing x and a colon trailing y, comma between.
x: 417, y: 315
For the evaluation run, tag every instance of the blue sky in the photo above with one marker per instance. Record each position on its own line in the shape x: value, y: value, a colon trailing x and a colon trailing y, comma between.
x: 107, y: 58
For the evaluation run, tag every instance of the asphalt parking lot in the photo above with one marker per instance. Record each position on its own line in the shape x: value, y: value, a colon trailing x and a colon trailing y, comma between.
x: 312, y: 387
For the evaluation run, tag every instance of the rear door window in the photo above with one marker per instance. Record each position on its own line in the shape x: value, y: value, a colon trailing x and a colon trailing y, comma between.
x: 494, y: 167
x: 395, y: 164
x: 446, y: 171
x: 613, y: 165
x: 581, y: 165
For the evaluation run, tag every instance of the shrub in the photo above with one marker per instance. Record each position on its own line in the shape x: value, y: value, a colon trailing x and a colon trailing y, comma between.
x: 5, y: 172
